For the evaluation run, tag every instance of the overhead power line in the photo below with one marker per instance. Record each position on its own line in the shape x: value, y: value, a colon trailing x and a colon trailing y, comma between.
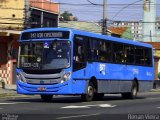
x: 125, y: 8
x: 94, y: 3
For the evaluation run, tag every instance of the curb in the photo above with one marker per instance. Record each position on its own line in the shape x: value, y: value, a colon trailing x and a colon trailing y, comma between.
x: 13, y: 95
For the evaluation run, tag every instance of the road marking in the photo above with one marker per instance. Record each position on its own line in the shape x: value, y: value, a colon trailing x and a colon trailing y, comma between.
x: 89, y: 106
x: 13, y: 103
x: 106, y: 105
x: 158, y: 107
x: 78, y: 116
x: 7, y: 103
x: 76, y: 107
x: 1, y: 108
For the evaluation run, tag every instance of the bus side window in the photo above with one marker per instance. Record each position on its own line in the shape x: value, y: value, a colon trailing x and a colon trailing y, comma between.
x: 129, y: 54
x: 92, y: 49
x: 79, y: 53
x: 105, y: 51
x: 139, y: 55
x: 148, y: 57
x: 118, y: 51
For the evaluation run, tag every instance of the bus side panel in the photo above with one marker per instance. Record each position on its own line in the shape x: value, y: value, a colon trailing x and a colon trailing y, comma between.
x: 115, y: 78
x: 111, y: 78
x: 79, y: 81
x: 145, y: 86
x: 145, y: 78
x: 79, y: 86
x: 114, y: 86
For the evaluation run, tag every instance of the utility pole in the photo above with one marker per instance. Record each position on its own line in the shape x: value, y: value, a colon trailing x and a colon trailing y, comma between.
x: 27, y: 15
x: 104, y: 25
x: 42, y: 16
x: 59, y: 14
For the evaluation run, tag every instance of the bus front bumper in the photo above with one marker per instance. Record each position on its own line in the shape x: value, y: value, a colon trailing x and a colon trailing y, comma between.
x: 70, y: 87
x: 30, y: 89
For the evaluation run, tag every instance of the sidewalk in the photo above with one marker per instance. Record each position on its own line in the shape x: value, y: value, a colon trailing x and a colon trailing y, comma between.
x: 10, y: 87
x: 9, y: 90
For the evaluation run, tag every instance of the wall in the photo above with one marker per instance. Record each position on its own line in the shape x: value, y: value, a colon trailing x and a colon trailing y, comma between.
x: 11, y: 14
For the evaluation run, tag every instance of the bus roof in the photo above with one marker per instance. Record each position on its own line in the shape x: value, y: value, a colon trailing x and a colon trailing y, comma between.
x: 89, y: 34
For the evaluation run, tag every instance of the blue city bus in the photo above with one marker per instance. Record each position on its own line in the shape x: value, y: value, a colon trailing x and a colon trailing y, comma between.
x: 63, y: 61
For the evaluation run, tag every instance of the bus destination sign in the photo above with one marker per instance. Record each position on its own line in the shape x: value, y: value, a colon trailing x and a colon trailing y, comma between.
x: 45, y: 34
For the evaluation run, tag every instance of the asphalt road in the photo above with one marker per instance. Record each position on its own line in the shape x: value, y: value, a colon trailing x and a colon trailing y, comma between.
x: 113, y: 107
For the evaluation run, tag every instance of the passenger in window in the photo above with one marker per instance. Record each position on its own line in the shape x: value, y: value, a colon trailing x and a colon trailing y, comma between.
x: 102, y: 58
x: 76, y: 59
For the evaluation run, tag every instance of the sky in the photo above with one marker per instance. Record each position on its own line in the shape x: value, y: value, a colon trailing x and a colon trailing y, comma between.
x: 95, y: 12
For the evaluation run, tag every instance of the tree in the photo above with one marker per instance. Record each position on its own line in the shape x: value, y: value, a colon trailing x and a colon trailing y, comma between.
x: 75, y: 19
x: 67, y: 16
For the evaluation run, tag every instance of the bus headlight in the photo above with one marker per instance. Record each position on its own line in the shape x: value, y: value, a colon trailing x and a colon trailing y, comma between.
x: 20, y: 78
x: 66, y: 77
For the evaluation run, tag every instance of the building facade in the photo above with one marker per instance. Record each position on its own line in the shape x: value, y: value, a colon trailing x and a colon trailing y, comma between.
x: 137, y: 27
x: 43, y: 14
x: 12, y: 22
x: 11, y: 14
x: 158, y: 24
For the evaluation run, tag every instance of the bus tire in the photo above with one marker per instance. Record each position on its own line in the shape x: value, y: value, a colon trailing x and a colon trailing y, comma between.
x: 133, y: 93
x: 46, y: 98
x: 90, y: 93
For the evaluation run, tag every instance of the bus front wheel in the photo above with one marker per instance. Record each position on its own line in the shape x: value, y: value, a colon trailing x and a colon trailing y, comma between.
x: 133, y: 93
x: 90, y: 93
x: 46, y: 98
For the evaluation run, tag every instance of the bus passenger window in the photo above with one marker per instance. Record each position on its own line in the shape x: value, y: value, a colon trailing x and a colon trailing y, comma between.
x: 148, y: 57
x: 105, y: 51
x: 92, y: 49
x: 118, y: 56
x: 79, y: 53
x: 139, y: 56
x: 129, y: 54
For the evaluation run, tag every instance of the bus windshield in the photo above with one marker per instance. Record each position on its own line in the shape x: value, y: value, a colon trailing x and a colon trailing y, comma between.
x: 44, y: 55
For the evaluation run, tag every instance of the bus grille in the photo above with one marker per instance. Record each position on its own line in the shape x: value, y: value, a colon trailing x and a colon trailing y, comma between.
x: 43, y: 78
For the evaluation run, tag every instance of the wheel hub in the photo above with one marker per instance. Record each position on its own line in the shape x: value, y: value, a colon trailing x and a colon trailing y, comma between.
x: 90, y: 91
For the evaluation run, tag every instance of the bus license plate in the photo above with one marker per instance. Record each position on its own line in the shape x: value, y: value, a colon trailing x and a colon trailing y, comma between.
x: 41, y: 89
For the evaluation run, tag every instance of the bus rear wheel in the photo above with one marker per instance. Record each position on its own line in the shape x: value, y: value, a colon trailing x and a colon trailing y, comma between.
x: 90, y: 93
x: 133, y: 93
x: 46, y: 98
